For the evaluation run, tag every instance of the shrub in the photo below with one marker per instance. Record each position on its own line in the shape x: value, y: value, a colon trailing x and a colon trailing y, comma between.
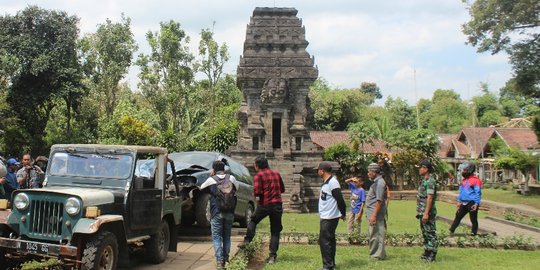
x: 52, y: 264
x: 518, y: 242
x: 246, y: 253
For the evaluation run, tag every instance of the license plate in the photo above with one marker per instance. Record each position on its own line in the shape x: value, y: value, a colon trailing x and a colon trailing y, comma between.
x: 37, y: 248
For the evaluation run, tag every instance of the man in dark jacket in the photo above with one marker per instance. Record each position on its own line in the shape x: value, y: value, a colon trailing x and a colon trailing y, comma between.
x: 222, y: 220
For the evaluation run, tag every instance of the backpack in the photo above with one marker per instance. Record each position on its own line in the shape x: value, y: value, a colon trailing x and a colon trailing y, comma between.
x: 226, y: 194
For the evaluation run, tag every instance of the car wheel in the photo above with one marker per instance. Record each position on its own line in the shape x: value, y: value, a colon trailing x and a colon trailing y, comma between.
x: 202, y: 210
x: 100, y: 252
x: 247, y: 218
x: 158, y: 245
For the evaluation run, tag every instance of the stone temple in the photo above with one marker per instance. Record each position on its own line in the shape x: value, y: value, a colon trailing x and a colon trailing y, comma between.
x: 274, y: 74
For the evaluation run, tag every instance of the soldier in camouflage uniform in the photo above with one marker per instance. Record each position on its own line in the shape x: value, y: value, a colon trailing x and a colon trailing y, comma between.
x: 426, y: 211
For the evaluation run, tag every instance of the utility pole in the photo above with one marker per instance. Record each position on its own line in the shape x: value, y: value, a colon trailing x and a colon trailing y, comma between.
x: 416, y: 97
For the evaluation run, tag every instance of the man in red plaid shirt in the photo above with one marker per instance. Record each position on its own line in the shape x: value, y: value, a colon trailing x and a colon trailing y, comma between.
x: 267, y: 188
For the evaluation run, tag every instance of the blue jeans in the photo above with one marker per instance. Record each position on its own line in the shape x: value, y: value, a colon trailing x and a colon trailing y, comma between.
x: 221, y: 225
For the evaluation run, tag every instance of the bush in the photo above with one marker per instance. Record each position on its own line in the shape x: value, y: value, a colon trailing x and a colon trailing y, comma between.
x: 246, y: 253
x: 518, y: 242
x: 52, y: 264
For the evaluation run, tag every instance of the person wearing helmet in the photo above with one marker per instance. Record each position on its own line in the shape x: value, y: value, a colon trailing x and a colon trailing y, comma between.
x: 468, y: 200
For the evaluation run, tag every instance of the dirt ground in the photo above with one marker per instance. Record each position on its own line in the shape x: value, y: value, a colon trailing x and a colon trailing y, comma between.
x: 257, y: 263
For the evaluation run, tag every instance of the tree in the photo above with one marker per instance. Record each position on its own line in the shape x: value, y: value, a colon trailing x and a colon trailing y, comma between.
x: 131, y: 123
x: 213, y: 57
x: 524, y: 162
x: 334, y: 109
x: 44, y: 44
x: 167, y: 76
x: 371, y: 89
x: 447, y: 112
x: 362, y: 133
x: 488, y: 109
x: 510, y: 26
x: 108, y: 54
x: 414, y: 145
x: 401, y: 114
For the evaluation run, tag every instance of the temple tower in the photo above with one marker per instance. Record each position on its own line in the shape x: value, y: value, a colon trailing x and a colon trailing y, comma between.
x: 274, y: 74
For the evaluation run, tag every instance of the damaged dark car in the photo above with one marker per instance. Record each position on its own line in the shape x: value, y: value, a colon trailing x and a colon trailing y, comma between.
x: 192, y: 169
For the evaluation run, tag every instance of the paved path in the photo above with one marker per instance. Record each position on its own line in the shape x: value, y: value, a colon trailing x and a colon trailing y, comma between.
x: 196, y: 255
x: 501, y: 229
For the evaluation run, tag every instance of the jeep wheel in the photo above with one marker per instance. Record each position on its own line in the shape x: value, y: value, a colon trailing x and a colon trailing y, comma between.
x: 202, y: 210
x: 158, y: 246
x: 246, y: 219
x: 100, y: 252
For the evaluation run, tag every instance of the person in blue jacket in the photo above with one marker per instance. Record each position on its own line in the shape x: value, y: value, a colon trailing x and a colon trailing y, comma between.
x: 469, y: 197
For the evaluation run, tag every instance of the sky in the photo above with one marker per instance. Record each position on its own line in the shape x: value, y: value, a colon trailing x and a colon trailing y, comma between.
x: 409, y: 48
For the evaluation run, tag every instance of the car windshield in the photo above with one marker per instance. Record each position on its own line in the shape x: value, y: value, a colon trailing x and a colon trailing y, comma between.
x: 91, y: 165
x: 201, y: 159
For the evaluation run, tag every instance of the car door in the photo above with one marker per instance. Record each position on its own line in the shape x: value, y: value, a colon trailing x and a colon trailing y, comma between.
x: 145, y: 203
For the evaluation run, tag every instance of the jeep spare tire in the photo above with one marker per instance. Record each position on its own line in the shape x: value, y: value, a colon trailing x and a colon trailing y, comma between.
x: 158, y: 245
x: 100, y: 252
x: 202, y: 210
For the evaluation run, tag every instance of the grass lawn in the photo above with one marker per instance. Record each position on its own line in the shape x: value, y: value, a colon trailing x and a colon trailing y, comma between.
x: 401, y: 219
x: 305, y: 257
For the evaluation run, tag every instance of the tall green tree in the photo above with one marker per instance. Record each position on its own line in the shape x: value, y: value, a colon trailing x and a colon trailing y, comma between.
x: 401, y: 114
x: 212, y: 58
x: 167, y: 81
x: 447, y: 113
x: 371, y: 89
x: 44, y: 43
x: 512, y: 27
x: 108, y: 54
x: 335, y: 108
x: 488, y: 110
x: 524, y: 162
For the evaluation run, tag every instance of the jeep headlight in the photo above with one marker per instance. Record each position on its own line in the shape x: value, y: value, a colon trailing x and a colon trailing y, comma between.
x: 73, y: 206
x: 21, y: 201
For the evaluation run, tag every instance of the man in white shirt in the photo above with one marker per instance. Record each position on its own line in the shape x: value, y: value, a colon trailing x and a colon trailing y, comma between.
x: 331, y: 208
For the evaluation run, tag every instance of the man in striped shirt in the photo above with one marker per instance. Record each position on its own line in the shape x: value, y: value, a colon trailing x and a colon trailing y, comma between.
x: 267, y: 188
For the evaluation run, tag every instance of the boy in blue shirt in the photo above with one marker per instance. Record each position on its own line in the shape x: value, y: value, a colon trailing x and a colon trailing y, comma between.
x: 358, y: 197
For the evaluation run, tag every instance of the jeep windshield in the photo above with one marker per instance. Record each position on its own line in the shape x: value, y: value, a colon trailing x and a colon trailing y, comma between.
x: 91, y: 165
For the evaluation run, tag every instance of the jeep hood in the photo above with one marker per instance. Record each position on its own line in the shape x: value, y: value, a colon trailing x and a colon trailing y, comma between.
x: 89, y: 196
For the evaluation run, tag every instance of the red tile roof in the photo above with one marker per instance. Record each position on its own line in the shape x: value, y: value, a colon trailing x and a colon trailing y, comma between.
x: 476, y: 139
x: 522, y: 138
x: 445, y: 144
x: 461, y: 149
x: 325, y: 139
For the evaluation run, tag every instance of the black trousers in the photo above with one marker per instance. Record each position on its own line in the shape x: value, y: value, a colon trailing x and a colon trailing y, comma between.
x: 461, y: 212
x: 274, y: 211
x: 327, y: 242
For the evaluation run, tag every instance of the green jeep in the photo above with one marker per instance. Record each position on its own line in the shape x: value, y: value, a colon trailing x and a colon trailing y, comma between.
x: 98, y: 204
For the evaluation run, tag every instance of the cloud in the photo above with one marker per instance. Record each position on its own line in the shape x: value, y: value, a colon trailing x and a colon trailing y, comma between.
x: 352, y: 40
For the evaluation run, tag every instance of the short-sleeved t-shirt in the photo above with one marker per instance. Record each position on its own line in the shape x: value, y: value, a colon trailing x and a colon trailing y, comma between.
x: 377, y: 192
x: 328, y: 208
x: 427, y: 187
x: 358, y: 196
